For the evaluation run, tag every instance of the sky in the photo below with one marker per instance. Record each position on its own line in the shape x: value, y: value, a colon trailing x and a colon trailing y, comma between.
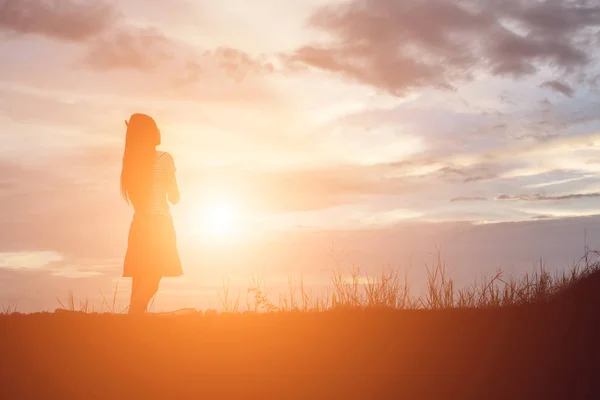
x: 306, y: 135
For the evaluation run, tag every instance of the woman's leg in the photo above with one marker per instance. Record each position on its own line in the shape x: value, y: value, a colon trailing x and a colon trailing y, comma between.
x: 135, y: 301
x: 152, y: 284
x: 138, y: 302
x: 142, y: 291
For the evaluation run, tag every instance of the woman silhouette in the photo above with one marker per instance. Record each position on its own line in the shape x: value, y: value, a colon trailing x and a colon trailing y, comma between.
x: 147, y: 181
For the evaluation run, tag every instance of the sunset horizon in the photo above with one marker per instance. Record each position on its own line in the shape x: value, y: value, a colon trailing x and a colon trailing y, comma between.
x: 379, y: 130
x: 315, y: 199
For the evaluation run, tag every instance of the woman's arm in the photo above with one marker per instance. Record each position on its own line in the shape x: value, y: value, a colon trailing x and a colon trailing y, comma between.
x: 172, y: 186
x: 173, y: 189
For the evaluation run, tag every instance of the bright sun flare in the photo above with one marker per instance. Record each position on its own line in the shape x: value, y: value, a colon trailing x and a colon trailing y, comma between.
x: 219, y: 220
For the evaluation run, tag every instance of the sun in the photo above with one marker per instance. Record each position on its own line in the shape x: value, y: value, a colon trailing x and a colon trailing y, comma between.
x: 218, y: 220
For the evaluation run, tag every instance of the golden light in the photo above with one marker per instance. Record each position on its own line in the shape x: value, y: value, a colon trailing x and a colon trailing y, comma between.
x: 218, y: 221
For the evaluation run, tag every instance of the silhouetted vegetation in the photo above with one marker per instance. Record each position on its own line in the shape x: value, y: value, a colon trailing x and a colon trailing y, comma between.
x: 388, y: 290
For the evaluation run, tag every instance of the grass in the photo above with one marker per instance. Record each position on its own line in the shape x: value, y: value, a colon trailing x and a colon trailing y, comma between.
x: 9, y: 309
x: 86, y: 306
x: 391, y: 290
x: 388, y: 290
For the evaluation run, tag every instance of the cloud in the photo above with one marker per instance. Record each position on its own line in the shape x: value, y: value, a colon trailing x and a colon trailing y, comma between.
x: 43, y: 107
x: 402, y: 45
x: 309, y: 189
x: 559, y: 87
x: 472, y: 173
x: 53, y: 206
x: 175, y: 13
x: 12, y: 175
x: 239, y: 63
x: 66, y: 19
x: 461, y: 199
x: 541, y: 197
x: 141, y: 49
x: 28, y: 260
x: 150, y: 50
x: 113, y: 42
x: 541, y: 217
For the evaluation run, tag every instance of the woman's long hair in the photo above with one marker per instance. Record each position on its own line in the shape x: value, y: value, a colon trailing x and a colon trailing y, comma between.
x: 138, y: 160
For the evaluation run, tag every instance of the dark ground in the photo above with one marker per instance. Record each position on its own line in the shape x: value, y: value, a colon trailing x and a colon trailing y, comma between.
x: 535, y: 352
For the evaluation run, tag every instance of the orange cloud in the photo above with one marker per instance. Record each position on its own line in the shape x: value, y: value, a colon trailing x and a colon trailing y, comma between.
x: 308, y: 189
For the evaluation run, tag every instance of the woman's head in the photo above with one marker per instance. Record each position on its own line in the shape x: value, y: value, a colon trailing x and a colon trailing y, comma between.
x: 142, y: 131
x: 141, y: 140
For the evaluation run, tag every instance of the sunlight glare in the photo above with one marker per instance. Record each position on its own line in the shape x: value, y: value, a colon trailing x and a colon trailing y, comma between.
x: 219, y: 221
